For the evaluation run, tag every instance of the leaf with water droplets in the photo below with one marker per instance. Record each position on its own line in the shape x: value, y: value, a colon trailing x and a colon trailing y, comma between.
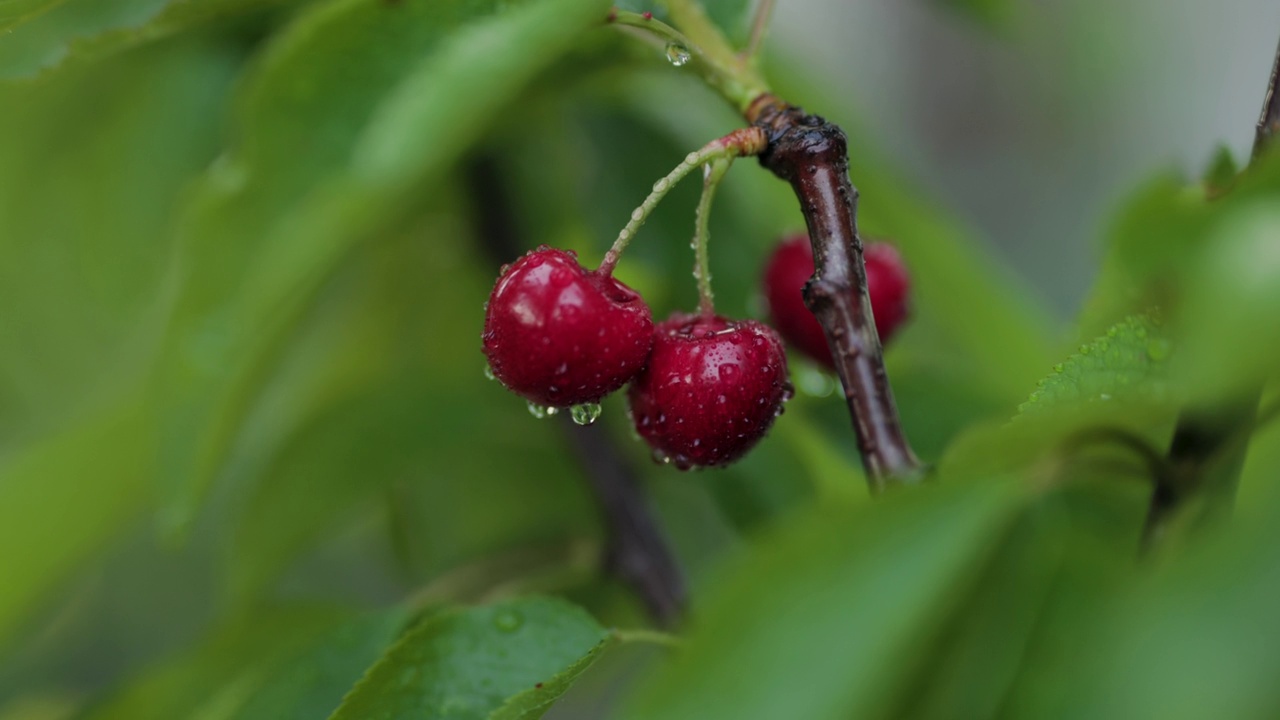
x: 508, y: 661
x: 1126, y: 362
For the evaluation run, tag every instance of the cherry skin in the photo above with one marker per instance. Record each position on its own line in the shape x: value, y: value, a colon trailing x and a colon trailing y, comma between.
x: 790, y: 267
x: 711, y: 389
x: 558, y: 334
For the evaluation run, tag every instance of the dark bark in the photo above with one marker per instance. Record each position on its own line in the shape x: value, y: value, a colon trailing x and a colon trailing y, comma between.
x: 810, y: 154
x: 636, y: 551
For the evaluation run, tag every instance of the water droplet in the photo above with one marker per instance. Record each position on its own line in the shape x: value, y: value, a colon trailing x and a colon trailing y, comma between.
x: 660, y: 186
x: 677, y: 54
x: 660, y: 457
x: 508, y: 621
x: 488, y: 373
x: 586, y: 413
x: 542, y: 411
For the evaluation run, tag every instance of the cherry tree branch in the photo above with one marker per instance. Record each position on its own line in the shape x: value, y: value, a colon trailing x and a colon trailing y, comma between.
x: 811, y: 154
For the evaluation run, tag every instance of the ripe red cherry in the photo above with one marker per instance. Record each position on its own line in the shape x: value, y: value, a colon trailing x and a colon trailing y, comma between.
x: 561, y: 335
x: 790, y: 267
x: 711, y: 389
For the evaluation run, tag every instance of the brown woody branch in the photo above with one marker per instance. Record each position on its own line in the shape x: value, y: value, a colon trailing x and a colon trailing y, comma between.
x: 811, y: 154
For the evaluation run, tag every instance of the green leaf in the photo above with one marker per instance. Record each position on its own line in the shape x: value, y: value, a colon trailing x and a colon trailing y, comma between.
x: 64, y: 498
x: 93, y: 166
x: 354, y: 111
x: 222, y: 672
x: 313, y: 683
x: 1127, y: 362
x: 535, y: 701
x: 477, y: 662
x: 16, y: 12
x: 1230, y: 340
x: 74, y: 32
x: 835, y: 604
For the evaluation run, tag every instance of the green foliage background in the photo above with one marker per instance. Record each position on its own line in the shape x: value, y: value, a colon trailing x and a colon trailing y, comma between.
x: 250, y: 466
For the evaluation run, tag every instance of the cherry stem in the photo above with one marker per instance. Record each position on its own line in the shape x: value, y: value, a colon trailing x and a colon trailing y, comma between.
x: 741, y: 142
x: 713, y: 173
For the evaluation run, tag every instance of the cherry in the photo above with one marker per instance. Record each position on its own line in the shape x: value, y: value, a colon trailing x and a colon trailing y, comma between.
x: 559, y: 335
x: 711, y: 389
x: 790, y: 267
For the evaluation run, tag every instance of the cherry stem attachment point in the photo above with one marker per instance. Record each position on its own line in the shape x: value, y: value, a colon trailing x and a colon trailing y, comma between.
x: 742, y: 142
x: 713, y: 173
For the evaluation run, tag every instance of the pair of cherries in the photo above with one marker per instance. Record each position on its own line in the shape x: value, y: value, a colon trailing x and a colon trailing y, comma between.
x: 704, y: 389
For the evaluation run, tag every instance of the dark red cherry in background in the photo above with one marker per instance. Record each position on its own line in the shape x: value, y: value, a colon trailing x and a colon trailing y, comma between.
x: 561, y: 335
x: 711, y: 389
x: 790, y: 267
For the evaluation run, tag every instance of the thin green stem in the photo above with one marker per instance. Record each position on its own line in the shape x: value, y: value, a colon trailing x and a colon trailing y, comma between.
x: 713, y: 173
x: 759, y: 24
x: 709, y: 54
x: 746, y: 141
x: 645, y: 635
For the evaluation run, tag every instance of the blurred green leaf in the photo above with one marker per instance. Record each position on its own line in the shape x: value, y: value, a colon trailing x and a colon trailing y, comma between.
x: 93, y: 165
x: 1193, y: 638
x: 353, y: 111
x: 313, y: 683
x: 65, y: 497
x: 835, y: 603
x: 1231, y: 303
x: 535, y: 701
x: 16, y: 12
x: 364, y: 408
x: 285, y: 663
x: 478, y: 662
x: 1128, y: 361
x: 66, y: 32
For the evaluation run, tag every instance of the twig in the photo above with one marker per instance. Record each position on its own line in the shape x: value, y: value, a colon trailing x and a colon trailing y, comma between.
x: 760, y: 23
x: 636, y: 552
x: 1269, y: 121
x: 810, y: 153
x: 1206, y: 453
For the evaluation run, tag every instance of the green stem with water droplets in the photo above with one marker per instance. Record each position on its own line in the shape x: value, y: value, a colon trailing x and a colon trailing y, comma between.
x: 710, y: 56
x: 746, y: 141
x: 713, y: 173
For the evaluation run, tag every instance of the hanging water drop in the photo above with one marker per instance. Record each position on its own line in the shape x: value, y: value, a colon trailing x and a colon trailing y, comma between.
x: 542, y: 411
x: 586, y: 413
x: 488, y: 373
x: 677, y: 54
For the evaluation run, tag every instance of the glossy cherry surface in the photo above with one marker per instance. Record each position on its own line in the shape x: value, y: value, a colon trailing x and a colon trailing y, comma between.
x: 711, y: 389
x: 559, y: 334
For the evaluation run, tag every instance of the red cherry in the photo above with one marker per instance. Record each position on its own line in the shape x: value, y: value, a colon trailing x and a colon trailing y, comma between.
x: 558, y: 334
x: 790, y: 267
x: 711, y: 389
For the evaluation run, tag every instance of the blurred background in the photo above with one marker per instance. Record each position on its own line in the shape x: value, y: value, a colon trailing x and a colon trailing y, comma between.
x: 1034, y: 131
x: 239, y: 377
